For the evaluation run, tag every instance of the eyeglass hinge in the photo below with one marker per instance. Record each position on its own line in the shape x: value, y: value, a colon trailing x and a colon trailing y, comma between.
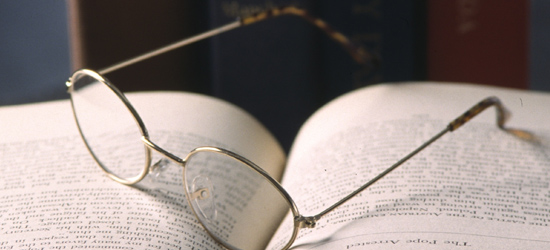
x: 69, y: 84
x: 307, y: 221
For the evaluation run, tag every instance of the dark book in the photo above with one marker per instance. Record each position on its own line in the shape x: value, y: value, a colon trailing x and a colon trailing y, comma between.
x: 269, y: 68
x: 107, y: 32
x: 394, y: 31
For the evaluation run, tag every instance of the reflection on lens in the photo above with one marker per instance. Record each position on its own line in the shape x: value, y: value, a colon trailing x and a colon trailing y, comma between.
x: 238, y: 206
x: 108, y: 127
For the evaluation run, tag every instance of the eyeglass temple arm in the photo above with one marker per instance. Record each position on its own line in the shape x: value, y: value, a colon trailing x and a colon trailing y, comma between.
x: 171, y: 47
x: 357, y: 53
x: 502, y: 117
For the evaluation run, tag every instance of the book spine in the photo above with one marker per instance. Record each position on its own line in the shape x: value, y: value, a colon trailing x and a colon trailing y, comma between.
x: 268, y: 68
x: 479, y: 41
x: 392, y: 30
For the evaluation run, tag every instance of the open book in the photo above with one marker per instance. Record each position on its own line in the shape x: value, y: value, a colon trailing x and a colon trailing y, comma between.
x: 477, y: 187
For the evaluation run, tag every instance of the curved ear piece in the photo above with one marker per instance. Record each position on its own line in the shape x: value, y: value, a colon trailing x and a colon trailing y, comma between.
x: 502, y: 117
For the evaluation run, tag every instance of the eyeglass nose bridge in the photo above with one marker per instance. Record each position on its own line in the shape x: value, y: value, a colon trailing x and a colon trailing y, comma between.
x: 166, y: 154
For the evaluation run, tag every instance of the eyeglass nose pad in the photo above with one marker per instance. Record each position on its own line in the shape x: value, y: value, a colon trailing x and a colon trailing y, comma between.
x: 154, y: 178
x: 158, y: 168
x: 203, y: 199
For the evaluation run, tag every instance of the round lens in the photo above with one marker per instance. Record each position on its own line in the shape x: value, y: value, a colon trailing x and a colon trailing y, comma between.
x: 237, y: 205
x: 109, y: 129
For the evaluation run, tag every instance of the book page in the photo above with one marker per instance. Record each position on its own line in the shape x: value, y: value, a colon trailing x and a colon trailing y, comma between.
x: 53, y: 195
x: 477, y: 187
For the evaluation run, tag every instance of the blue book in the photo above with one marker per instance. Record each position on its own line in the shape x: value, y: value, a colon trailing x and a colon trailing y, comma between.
x: 539, y: 50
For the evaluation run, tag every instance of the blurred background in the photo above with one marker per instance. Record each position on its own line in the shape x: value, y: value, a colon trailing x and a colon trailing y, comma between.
x: 34, y: 51
x: 282, y: 69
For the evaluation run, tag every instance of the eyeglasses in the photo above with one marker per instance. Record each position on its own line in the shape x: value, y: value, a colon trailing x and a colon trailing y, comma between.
x: 225, y: 207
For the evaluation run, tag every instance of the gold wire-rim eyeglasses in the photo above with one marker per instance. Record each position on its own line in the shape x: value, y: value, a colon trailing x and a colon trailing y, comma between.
x: 300, y: 221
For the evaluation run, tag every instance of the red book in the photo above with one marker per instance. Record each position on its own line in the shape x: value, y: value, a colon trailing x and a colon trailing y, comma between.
x: 479, y: 41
